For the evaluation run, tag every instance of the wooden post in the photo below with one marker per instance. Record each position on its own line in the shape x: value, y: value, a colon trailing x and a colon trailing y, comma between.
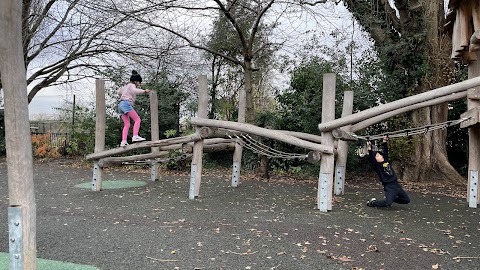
x: 197, y: 159
x: 325, y: 181
x: 474, y: 143
x: 342, y: 148
x: 99, y: 132
x: 155, y: 132
x: 237, y: 153
x: 21, y: 192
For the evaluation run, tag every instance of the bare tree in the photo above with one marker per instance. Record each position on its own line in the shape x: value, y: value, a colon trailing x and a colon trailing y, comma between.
x: 189, y: 19
x: 66, y: 41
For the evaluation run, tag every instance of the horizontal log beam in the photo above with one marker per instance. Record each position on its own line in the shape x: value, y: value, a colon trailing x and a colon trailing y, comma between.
x: 343, y: 135
x: 148, y: 144
x: 377, y: 119
x: 104, y: 162
x: 408, y: 101
x: 263, y: 132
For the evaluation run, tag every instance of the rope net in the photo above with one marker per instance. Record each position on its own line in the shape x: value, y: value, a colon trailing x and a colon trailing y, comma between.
x: 248, y: 142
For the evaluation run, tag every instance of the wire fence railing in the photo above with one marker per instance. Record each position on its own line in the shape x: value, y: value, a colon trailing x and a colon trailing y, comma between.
x: 57, y: 139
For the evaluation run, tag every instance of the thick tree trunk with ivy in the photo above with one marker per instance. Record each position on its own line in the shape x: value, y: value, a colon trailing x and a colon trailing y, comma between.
x: 416, y: 53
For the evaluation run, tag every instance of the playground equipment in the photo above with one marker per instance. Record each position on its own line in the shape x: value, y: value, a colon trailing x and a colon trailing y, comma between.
x: 215, y: 135
x: 465, y: 26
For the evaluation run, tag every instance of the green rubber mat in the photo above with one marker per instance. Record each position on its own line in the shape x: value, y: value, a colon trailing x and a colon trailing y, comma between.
x: 116, y: 184
x: 48, y: 264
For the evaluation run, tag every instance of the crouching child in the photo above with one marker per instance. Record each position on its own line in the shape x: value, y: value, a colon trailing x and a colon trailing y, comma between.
x: 394, y: 192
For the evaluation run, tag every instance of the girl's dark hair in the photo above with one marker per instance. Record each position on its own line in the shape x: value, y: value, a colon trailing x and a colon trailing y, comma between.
x: 135, y: 77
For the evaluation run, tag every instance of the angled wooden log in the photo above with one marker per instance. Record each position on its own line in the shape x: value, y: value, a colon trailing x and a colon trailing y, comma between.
x: 343, y: 135
x: 224, y: 133
x: 105, y: 162
x: 377, y: 119
x: 212, y: 145
x: 219, y: 147
x: 272, y: 134
x: 304, y: 136
x: 159, y: 143
x: 228, y: 133
x: 408, y: 101
x: 188, y: 147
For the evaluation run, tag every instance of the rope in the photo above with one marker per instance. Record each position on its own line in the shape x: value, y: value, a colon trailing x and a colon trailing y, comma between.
x: 245, y: 140
x: 412, y: 131
x: 275, y: 153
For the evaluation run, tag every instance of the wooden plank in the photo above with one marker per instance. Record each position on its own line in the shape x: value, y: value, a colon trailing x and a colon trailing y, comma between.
x: 268, y: 133
x: 21, y: 192
x: 384, y: 108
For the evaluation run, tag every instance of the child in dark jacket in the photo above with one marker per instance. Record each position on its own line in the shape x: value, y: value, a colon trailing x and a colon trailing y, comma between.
x: 393, y: 190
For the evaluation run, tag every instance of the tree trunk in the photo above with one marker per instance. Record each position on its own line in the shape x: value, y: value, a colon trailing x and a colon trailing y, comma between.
x: 431, y: 160
x: 248, y: 78
x: 264, y: 168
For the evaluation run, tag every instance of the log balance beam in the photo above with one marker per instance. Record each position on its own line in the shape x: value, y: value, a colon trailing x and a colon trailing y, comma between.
x: 263, y: 132
x: 203, y: 133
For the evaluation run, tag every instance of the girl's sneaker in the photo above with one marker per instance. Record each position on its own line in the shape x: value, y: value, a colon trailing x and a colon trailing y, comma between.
x: 124, y: 143
x: 137, y: 139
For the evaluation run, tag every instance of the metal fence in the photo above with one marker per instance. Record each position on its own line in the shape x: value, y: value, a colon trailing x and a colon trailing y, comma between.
x: 57, y: 139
